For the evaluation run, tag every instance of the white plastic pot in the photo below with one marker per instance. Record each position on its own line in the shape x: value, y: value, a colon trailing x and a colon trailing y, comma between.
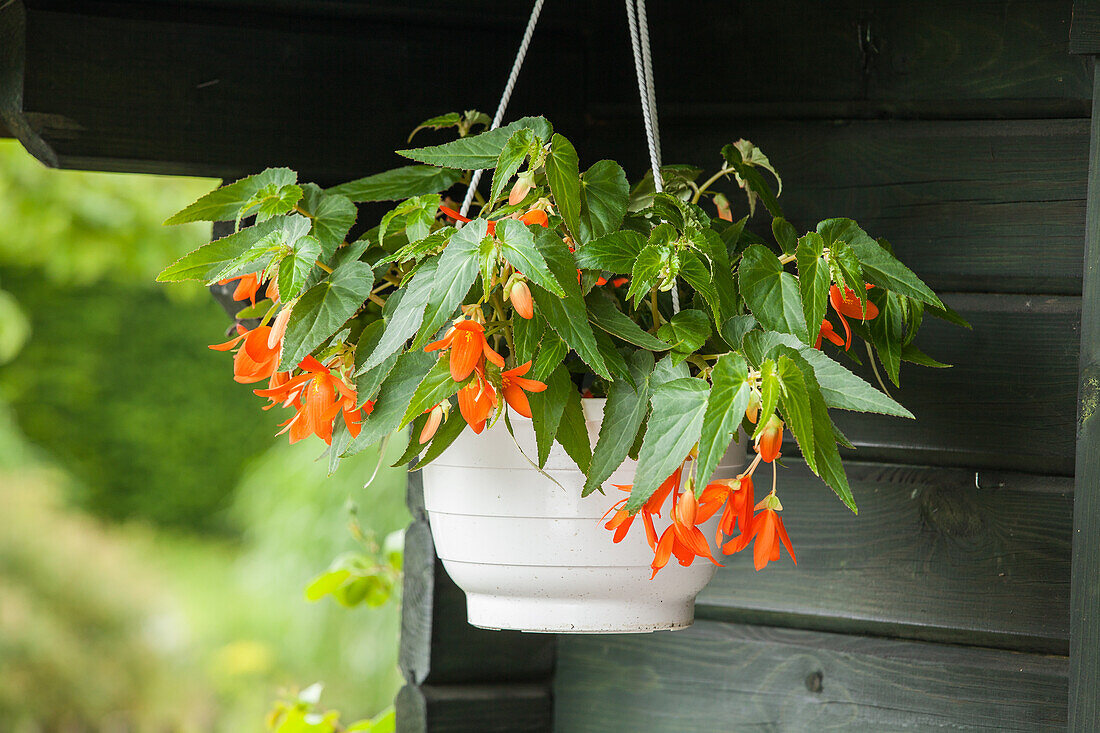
x: 534, y: 557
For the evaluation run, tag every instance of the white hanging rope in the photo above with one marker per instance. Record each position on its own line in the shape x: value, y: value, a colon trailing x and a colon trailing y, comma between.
x: 647, y: 95
x: 507, y: 95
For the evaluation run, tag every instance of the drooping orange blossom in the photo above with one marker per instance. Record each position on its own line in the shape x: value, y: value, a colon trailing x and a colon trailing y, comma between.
x: 467, y: 344
x: 848, y: 304
x: 257, y: 355
x: 247, y: 286
x: 318, y: 397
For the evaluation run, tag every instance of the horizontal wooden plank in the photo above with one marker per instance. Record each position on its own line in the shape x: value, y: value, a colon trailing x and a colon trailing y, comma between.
x: 972, y: 206
x: 224, y: 93
x: 1009, y: 401
x: 474, y: 709
x: 718, y: 676
x: 937, y: 554
x: 897, y: 58
x: 438, y: 646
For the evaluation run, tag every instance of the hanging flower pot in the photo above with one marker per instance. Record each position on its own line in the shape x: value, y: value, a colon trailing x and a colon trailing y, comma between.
x: 533, y: 555
x: 450, y: 331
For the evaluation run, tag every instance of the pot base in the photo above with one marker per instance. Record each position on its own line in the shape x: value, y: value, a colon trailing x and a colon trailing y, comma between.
x: 578, y: 616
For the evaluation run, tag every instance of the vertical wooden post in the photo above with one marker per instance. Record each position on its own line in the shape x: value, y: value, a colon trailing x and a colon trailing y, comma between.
x: 1084, y: 681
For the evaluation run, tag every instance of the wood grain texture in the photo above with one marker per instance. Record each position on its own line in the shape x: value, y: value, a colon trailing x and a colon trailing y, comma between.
x: 474, y: 709
x: 1084, y: 34
x: 196, y: 88
x: 729, y: 677
x: 931, y: 556
x: 975, y: 206
x: 852, y: 58
x: 1085, y: 597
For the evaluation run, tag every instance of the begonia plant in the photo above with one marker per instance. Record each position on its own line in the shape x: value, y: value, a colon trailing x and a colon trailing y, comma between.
x: 562, y: 285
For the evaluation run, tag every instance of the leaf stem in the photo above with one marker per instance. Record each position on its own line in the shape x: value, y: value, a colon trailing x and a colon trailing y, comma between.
x: 323, y: 266
x: 699, y: 191
x: 786, y: 259
x: 654, y: 312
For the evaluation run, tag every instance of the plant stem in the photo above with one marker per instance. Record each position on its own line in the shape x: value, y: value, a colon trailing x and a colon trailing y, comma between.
x: 699, y: 191
x: 498, y: 307
x: 786, y: 259
x: 654, y: 312
x: 323, y: 266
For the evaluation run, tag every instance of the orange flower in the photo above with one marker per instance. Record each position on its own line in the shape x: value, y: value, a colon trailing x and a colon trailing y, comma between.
x: 476, y: 402
x: 257, y: 358
x: 520, y: 295
x: 828, y: 333
x: 849, y: 305
x: 459, y: 217
x: 535, y: 216
x: 318, y: 396
x: 246, y: 288
x: 770, y: 440
x: 768, y: 530
x: 515, y: 384
x: 467, y: 344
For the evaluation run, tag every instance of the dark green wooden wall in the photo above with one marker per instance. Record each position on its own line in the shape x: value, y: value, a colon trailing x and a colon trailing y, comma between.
x: 960, y: 131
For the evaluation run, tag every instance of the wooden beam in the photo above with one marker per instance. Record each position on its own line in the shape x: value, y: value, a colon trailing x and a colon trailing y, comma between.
x: 717, y: 676
x: 1084, y: 709
x: 978, y: 557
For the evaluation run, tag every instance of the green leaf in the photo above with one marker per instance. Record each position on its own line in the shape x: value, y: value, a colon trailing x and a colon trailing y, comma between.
x: 623, y: 414
x: 417, y: 214
x: 667, y: 371
x: 437, y: 386
x: 698, y: 276
x: 526, y: 334
x: 547, y: 408
x: 323, y: 309
x: 647, y: 266
x: 839, y: 387
x: 403, y: 314
x: 399, y: 183
x: 785, y: 235
x: 552, y: 351
x: 572, y: 432
x: 458, y: 266
x: 439, y: 122
x: 722, y: 273
x: 813, y: 280
x: 566, y: 315
x: 735, y: 328
x: 885, y: 331
x: 615, y: 252
x: 795, y: 400
x: 368, y: 380
x: 210, y: 259
x: 675, y: 422
x: 393, y: 399
x: 826, y: 462
x: 563, y: 175
x: 879, y: 266
x: 687, y: 331
x: 769, y: 394
x: 726, y: 404
x: 332, y: 216
x: 517, y: 245
x: 616, y: 362
x: 296, y: 266
x: 515, y: 151
x: 604, y: 193
x: 477, y: 151
x: 421, y: 248
x: 771, y: 294
x: 274, y: 188
x: 603, y: 314
x: 752, y: 179
x: 911, y: 353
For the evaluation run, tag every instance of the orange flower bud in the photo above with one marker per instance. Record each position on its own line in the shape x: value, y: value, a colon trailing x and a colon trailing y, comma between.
x: 520, y: 189
x: 434, y: 419
x: 521, y: 299
x: 770, y: 440
x: 752, y: 412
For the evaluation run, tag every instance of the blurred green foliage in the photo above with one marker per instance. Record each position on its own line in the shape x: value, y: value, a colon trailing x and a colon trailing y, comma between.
x: 116, y: 401
x: 115, y: 380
